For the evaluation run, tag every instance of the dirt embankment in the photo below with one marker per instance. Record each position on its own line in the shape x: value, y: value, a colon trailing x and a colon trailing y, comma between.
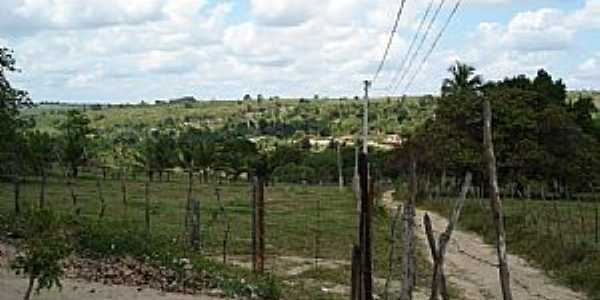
x: 12, y: 287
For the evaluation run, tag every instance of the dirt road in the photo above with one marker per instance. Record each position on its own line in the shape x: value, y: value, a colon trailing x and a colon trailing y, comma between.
x: 471, y: 266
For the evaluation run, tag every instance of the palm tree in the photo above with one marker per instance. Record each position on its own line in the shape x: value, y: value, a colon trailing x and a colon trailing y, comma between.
x: 463, y: 80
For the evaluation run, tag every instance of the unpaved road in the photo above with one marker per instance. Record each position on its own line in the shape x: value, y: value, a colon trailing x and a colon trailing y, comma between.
x: 470, y: 265
x: 13, y: 287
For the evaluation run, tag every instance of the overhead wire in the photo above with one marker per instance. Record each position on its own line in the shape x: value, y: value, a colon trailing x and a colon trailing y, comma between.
x: 390, y: 40
x: 433, y: 45
x: 411, y: 47
x: 421, y: 44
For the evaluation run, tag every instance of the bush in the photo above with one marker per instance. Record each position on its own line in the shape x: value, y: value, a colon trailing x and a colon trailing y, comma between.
x: 45, y: 246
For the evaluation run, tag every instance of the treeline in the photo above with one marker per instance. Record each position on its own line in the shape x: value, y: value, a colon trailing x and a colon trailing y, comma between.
x: 544, y: 142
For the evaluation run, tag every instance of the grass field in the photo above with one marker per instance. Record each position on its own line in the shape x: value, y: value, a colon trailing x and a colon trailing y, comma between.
x: 301, y: 221
x: 561, y: 237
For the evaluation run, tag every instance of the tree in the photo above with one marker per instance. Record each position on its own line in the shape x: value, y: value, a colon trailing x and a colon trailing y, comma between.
x: 75, y: 140
x: 45, y: 246
x: 463, y: 80
x: 41, y: 155
x: 12, y: 125
x: 583, y: 111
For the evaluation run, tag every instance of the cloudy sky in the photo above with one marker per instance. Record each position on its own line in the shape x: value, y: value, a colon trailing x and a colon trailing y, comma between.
x: 125, y: 51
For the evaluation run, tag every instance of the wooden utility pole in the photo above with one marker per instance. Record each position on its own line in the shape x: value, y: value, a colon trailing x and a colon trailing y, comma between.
x: 366, y: 118
x: 495, y: 201
x: 365, y: 230
x: 362, y: 278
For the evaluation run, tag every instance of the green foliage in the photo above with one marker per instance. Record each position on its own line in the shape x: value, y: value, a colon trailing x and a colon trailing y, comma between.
x: 538, y: 136
x: 46, y: 244
x: 75, y: 140
x: 12, y: 124
x: 41, y: 151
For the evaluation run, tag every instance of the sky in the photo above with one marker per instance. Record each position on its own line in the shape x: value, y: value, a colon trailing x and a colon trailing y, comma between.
x: 127, y: 51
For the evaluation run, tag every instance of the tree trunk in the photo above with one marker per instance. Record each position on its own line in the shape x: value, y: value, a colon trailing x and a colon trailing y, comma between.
x: 29, y: 288
x: 408, y: 223
x: 496, y: 205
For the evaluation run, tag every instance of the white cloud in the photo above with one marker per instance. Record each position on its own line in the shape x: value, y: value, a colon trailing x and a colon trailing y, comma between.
x: 588, y: 17
x: 162, y: 48
x: 589, y: 70
x: 532, y: 31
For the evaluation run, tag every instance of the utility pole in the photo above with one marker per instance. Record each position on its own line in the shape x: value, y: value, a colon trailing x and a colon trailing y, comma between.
x: 366, y: 118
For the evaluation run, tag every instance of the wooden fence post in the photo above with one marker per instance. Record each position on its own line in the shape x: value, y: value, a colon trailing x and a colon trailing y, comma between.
x: 258, y: 225
x: 227, y: 225
x: 147, y: 208
x: 317, y: 232
x: 356, y: 284
x: 391, y: 252
x: 496, y: 205
x: 596, y: 225
x: 100, y: 198
x: 438, y: 252
x: 17, y: 193
x: 43, y: 184
x: 123, y: 187
x: 260, y: 214
x: 195, y: 232
x: 408, y: 222
x: 254, y: 188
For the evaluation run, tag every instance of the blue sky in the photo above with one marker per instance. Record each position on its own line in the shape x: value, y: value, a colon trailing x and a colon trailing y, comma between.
x: 127, y: 51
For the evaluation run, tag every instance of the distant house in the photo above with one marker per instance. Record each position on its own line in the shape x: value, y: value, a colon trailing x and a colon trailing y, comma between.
x: 392, y: 140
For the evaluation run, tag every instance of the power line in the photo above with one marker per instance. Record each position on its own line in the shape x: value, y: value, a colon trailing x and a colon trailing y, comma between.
x: 390, y: 40
x: 411, y: 47
x: 435, y: 42
x: 421, y: 43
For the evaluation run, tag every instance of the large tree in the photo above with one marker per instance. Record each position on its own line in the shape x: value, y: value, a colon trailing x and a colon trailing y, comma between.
x: 11, y: 124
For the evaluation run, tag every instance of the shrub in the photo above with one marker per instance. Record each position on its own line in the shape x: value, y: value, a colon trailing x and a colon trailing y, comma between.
x: 45, y: 246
